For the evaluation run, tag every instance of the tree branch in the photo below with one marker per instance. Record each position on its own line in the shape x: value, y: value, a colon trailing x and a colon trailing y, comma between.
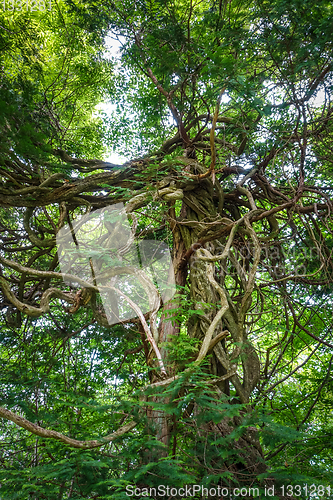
x: 74, y: 443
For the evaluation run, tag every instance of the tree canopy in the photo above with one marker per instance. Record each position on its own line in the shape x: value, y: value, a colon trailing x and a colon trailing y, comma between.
x: 166, y: 322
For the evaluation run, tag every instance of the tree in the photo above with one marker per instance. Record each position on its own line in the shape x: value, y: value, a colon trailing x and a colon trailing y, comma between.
x: 225, y: 108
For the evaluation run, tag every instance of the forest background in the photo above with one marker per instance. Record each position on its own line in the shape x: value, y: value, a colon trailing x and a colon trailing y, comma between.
x: 224, y: 109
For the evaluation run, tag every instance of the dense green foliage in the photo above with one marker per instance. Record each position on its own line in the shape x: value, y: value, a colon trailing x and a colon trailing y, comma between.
x: 225, y: 109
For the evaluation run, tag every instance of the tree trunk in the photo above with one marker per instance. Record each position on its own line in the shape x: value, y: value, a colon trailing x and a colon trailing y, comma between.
x: 197, y: 205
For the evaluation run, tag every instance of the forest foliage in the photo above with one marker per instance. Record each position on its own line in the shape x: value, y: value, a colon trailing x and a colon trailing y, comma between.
x: 224, y: 109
